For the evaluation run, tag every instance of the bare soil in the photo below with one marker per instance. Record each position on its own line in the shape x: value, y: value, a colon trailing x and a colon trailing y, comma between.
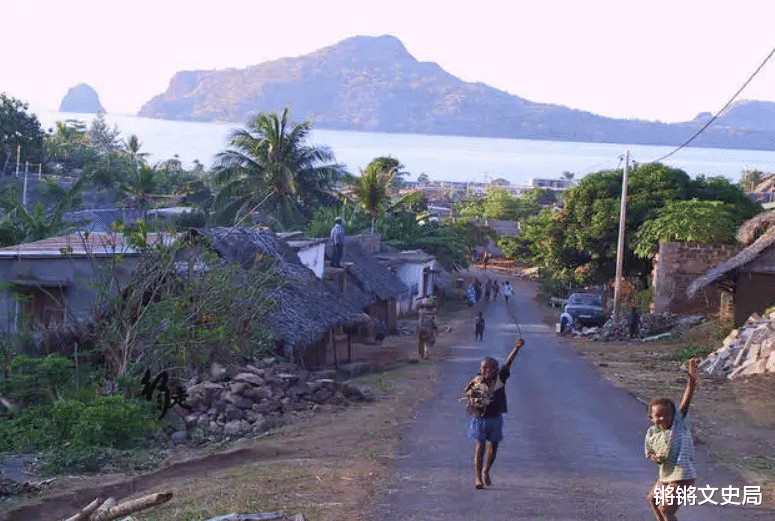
x: 330, y: 465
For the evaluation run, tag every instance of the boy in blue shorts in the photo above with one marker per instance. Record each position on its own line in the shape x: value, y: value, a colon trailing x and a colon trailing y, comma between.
x: 486, y: 396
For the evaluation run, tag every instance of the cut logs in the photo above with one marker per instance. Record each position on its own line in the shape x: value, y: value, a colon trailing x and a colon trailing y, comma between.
x: 108, y: 510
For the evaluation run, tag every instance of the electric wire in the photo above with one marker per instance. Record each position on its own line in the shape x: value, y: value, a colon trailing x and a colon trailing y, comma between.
x: 711, y: 120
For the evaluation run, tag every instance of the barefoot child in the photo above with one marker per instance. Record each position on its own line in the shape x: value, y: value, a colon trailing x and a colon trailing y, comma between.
x: 669, y: 444
x: 479, y: 327
x: 486, y: 397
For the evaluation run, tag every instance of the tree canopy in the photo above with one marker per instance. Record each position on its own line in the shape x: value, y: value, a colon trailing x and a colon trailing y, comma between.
x: 578, y: 242
x: 18, y: 127
x: 270, y: 168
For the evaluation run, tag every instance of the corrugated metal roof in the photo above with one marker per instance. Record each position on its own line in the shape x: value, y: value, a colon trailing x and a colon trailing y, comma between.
x: 80, y: 244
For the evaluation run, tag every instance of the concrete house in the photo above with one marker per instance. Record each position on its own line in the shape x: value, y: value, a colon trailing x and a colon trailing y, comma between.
x: 417, y: 270
x: 50, y: 282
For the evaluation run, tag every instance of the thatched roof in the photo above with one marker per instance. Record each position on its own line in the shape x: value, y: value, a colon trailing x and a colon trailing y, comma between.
x: 307, y: 307
x: 369, y: 278
x: 742, y: 258
x: 756, y: 226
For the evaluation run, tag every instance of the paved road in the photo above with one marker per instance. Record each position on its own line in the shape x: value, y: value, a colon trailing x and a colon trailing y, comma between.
x: 573, y: 448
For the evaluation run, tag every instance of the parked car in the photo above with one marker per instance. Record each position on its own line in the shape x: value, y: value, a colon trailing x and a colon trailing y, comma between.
x: 587, y: 308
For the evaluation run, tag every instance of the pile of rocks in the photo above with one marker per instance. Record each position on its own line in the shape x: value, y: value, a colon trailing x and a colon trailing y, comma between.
x: 650, y: 324
x: 746, y: 351
x: 255, y: 399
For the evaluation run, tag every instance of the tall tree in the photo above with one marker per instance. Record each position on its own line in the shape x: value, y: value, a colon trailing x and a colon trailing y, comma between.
x: 18, y: 128
x: 139, y: 187
x: 578, y: 242
x: 270, y: 161
x: 372, y: 189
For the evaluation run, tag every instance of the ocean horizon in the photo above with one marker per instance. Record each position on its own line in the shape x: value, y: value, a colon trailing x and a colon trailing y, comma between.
x: 442, y: 158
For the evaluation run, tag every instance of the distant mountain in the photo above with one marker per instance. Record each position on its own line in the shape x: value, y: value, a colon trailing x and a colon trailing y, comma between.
x: 373, y: 84
x: 81, y: 98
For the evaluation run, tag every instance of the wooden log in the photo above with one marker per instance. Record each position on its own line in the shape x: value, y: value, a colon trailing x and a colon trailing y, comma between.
x: 104, y: 508
x: 131, y: 506
x: 85, y: 511
x: 266, y: 516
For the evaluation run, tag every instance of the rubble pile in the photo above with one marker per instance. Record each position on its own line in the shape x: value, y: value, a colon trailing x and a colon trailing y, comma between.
x: 254, y: 399
x: 745, y: 351
x: 650, y: 324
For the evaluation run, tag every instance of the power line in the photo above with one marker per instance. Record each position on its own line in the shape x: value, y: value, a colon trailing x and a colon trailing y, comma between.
x: 711, y: 120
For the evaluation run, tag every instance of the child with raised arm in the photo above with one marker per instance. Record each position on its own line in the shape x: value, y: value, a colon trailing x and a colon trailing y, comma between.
x: 486, y: 397
x: 669, y: 444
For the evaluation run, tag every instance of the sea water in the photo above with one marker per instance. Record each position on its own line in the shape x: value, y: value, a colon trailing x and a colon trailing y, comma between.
x: 442, y: 158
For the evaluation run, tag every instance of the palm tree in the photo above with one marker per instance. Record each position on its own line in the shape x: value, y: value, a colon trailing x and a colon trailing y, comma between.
x: 269, y: 161
x: 373, y: 189
x: 132, y: 147
x: 139, y: 187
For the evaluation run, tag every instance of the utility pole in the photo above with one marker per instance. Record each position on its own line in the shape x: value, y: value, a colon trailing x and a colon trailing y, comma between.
x: 620, y: 245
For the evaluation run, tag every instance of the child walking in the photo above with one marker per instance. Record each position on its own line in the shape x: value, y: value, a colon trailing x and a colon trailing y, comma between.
x: 479, y: 328
x: 486, y: 397
x: 669, y: 445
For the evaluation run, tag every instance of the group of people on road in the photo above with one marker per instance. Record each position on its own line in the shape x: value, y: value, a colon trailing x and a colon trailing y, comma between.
x: 668, y: 442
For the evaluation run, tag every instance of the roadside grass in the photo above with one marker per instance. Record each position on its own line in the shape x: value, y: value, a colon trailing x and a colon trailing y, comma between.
x: 290, y: 486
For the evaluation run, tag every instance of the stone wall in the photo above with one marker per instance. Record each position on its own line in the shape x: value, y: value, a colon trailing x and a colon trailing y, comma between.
x: 675, y: 267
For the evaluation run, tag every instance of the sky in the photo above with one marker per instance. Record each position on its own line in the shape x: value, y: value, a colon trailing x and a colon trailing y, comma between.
x: 664, y: 60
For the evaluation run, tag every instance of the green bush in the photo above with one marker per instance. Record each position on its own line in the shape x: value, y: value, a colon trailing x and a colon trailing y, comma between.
x: 108, y: 421
x: 31, y: 428
x: 40, y: 380
x: 66, y: 415
x: 75, y: 458
x: 113, y: 422
x: 685, y: 352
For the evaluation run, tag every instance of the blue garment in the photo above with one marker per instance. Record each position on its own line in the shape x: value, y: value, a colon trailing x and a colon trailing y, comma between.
x: 486, y: 429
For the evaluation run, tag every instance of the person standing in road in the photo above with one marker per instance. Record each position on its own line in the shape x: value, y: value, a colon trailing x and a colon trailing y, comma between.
x: 508, y: 289
x: 426, y: 327
x: 486, y: 396
x: 479, y: 327
x: 337, y: 241
x: 669, y: 444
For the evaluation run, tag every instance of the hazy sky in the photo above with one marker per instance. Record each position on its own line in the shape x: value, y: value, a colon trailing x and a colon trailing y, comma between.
x: 659, y: 60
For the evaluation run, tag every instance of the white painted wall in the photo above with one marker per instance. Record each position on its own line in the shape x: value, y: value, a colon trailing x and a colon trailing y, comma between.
x: 313, y: 257
x: 411, y: 274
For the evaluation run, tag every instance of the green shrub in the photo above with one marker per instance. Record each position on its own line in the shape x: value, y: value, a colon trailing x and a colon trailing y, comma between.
x: 113, y: 422
x: 685, y: 352
x: 66, y: 415
x: 30, y: 429
x: 40, y: 380
x: 75, y: 458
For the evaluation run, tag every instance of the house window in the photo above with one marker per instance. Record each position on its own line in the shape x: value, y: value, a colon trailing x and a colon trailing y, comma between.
x: 415, y: 289
x: 41, y: 307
